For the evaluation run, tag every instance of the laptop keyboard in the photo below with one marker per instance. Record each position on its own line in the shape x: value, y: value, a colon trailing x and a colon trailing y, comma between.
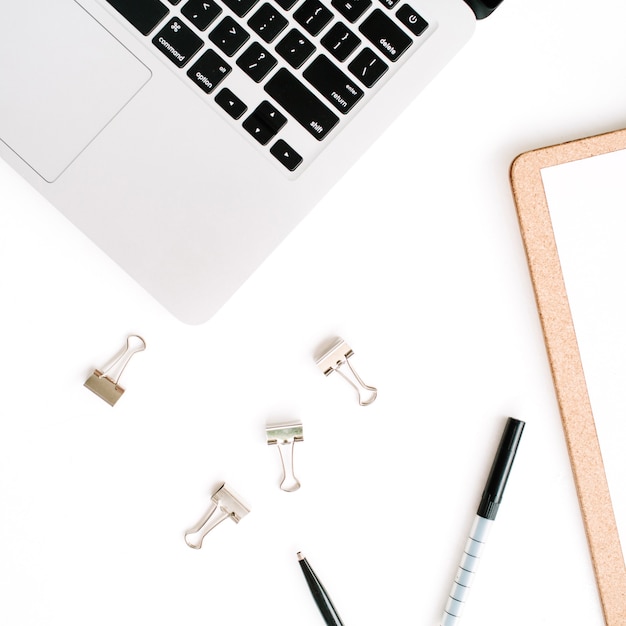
x: 287, y: 73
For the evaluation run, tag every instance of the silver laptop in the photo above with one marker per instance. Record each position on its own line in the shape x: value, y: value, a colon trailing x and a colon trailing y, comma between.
x: 186, y: 138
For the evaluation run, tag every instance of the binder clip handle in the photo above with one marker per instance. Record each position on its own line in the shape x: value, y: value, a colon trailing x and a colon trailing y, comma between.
x: 285, y: 436
x: 366, y: 393
x: 214, y: 516
x: 225, y: 504
x: 289, y: 482
x: 114, y: 369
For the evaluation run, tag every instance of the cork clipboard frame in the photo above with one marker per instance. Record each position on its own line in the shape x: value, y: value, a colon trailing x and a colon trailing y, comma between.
x: 565, y: 360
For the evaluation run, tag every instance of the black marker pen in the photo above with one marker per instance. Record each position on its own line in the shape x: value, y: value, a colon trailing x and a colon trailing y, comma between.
x: 486, y: 514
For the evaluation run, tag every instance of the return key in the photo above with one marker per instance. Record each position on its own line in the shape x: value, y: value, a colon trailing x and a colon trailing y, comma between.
x: 333, y: 84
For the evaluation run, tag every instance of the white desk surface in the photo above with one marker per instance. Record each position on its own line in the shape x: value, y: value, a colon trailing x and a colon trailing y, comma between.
x: 415, y: 258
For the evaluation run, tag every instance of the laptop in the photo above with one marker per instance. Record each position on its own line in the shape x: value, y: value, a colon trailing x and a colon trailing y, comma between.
x: 186, y: 138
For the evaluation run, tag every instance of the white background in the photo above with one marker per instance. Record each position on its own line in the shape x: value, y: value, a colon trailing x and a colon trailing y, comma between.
x: 415, y: 258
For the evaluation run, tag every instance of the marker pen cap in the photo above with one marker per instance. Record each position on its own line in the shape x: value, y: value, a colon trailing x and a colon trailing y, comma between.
x: 501, y: 468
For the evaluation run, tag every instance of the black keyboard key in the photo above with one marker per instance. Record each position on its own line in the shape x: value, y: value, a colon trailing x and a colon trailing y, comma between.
x: 341, y: 91
x: 295, y: 48
x: 256, y: 62
x: 144, y: 15
x: 240, y: 7
x: 174, y: 1
x: 228, y: 36
x: 313, y: 16
x: 260, y: 131
x: 389, y: 38
x: 177, y: 42
x: 389, y: 4
x: 267, y: 22
x: 412, y: 19
x: 301, y: 104
x: 208, y: 71
x: 352, y: 9
x: 201, y: 12
x: 367, y: 67
x: 231, y: 103
x: 340, y: 41
x: 270, y: 116
x: 264, y: 122
x: 286, y: 155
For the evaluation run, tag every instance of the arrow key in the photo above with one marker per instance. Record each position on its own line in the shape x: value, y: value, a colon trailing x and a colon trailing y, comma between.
x: 201, y: 12
x: 286, y: 155
x: 270, y: 116
x: 231, y: 103
x: 260, y: 131
x: 264, y: 122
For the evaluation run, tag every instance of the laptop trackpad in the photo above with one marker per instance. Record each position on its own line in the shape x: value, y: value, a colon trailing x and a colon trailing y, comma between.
x: 63, y: 78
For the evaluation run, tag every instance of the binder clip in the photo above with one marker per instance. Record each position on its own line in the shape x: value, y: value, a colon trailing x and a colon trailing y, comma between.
x: 335, y: 359
x: 285, y: 437
x: 104, y: 382
x: 224, y: 504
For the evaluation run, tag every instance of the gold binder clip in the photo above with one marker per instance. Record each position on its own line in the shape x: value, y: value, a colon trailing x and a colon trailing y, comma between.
x: 285, y: 437
x: 334, y: 359
x: 104, y: 382
x: 224, y: 504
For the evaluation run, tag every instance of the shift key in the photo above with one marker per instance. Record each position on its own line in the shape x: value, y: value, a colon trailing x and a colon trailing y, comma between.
x: 301, y: 104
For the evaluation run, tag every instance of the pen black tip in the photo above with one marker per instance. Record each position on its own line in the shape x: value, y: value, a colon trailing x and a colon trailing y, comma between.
x: 502, y: 463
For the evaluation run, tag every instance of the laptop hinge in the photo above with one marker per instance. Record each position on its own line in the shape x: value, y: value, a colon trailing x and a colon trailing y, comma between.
x: 483, y: 8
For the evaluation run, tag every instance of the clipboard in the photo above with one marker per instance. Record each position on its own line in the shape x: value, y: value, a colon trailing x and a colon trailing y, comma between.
x: 564, y: 355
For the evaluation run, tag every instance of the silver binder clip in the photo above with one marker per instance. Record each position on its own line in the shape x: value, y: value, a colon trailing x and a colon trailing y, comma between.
x: 104, y: 382
x: 335, y: 359
x: 224, y: 504
x: 285, y: 437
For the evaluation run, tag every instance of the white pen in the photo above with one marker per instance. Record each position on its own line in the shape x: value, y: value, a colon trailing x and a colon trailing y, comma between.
x: 486, y: 514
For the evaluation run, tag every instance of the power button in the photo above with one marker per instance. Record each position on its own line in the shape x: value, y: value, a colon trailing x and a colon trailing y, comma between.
x: 412, y: 19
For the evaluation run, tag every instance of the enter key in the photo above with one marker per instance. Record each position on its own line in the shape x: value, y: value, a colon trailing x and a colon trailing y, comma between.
x: 340, y: 90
